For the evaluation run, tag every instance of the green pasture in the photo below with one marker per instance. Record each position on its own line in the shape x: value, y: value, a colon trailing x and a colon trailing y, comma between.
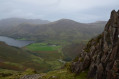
x: 42, y: 47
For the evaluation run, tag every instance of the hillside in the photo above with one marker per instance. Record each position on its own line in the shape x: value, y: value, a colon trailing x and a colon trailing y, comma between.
x: 13, y: 58
x: 62, y: 30
x: 72, y: 50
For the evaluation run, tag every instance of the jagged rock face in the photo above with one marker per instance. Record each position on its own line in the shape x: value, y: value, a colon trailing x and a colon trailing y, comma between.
x: 101, y: 55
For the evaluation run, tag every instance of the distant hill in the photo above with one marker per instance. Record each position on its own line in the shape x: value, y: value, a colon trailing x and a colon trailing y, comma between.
x: 13, y: 22
x: 63, y: 29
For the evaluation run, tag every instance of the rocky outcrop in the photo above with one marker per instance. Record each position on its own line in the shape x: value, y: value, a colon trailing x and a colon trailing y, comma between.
x: 101, y: 55
x: 34, y: 76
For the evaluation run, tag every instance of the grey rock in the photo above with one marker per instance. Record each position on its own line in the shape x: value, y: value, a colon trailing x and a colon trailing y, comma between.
x: 34, y: 76
x: 101, y: 55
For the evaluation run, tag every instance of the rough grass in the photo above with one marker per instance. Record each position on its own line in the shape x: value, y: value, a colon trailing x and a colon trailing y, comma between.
x: 64, y: 74
x: 10, y: 74
x: 49, y: 55
x: 57, y: 74
x: 7, y: 71
x: 51, y: 59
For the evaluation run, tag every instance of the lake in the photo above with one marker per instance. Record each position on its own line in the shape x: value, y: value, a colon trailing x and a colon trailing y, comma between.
x: 14, y: 42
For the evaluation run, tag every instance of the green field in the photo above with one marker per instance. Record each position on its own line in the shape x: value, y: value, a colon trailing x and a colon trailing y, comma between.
x: 49, y: 53
x: 42, y: 47
x: 21, y: 39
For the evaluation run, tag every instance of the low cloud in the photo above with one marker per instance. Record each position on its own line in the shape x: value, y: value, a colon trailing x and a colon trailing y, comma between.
x: 79, y: 10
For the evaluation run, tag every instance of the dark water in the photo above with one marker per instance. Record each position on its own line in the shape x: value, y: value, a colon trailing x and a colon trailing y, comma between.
x: 14, y: 42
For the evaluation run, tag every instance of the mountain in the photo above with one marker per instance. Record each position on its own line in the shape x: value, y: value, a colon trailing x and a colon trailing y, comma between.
x: 63, y: 29
x: 6, y: 24
x: 101, y: 55
x: 16, y: 21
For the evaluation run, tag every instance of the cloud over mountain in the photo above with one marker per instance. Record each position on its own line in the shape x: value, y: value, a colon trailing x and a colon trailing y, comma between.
x: 80, y: 10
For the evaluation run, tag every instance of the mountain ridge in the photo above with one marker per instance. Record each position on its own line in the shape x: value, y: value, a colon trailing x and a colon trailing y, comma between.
x: 63, y: 29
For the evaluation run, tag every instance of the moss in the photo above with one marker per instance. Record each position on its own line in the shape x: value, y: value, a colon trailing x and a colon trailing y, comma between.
x: 95, y: 40
x: 98, y: 38
x: 68, y: 66
x: 76, y: 59
x: 81, y: 59
x: 83, y: 75
x: 87, y: 49
x: 29, y: 71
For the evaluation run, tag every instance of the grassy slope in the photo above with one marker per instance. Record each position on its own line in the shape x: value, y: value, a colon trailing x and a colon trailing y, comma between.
x: 15, y: 59
x: 11, y: 74
x: 71, y: 51
x: 64, y: 74
x: 49, y: 62
x: 57, y: 74
x: 49, y: 53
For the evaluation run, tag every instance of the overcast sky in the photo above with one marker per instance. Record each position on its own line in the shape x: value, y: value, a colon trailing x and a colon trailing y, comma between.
x: 78, y: 10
